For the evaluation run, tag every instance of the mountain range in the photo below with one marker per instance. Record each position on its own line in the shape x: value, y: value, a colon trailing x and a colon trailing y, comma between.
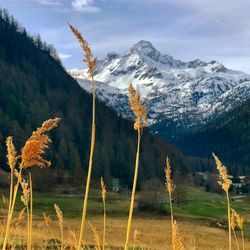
x: 182, y: 97
x: 188, y: 93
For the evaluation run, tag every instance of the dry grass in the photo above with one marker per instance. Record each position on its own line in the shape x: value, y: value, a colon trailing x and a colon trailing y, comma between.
x: 154, y: 233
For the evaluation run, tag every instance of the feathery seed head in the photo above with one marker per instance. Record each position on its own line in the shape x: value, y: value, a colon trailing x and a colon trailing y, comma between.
x: 103, y: 190
x: 232, y: 220
x: 4, y: 202
x: 47, y: 219
x: 91, y: 62
x: 11, y: 152
x: 34, y: 148
x: 225, y: 182
x: 21, y: 216
x: 25, y: 187
x: 238, y: 219
x: 96, y: 236
x: 138, y: 109
x: 59, y: 215
x: 136, y: 235
x: 73, y: 239
x: 169, y: 183
x: 177, y: 244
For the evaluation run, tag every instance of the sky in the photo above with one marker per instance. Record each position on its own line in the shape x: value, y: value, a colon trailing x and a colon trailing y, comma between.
x: 185, y: 29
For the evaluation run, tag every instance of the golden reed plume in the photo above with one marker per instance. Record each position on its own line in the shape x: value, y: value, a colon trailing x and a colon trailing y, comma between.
x: 170, y: 187
x: 59, y: 215
x: 91, y: 62
x: 35, y: 146
x: 11, y: 152
x: 225, y: 182
x: 169, y: 183
x: 139, y: 110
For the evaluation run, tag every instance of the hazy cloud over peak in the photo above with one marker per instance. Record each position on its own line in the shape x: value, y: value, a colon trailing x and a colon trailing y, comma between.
x: 64, y: 56
x: 84, y: 6
x: 50, y: 2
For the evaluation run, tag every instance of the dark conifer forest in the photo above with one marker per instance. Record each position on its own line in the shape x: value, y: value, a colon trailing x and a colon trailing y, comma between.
x: 34, y: 87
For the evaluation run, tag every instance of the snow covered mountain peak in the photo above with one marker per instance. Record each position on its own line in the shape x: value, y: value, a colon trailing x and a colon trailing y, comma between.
x: 143, y: 46
x: 146, y: 49
x: 186, y: 93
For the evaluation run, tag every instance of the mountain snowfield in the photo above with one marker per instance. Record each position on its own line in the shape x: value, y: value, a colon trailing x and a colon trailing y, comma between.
x: 185, y: 94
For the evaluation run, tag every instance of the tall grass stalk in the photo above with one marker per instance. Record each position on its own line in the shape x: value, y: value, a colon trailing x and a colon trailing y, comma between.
x: 140, y: 113
x: 91, y: 62
x: 240, y: 223
x: 229, y: 222
x: 225, y: 183
x: 233, y: 225
x: 170, y: 187
x: 104, y: 212
x: 10, y: 215
x: 31, y: 213
x: 242, y: 239
x: 59, y: 215
x: 236, y: 240
x: 47, y: 222
x: 11, y: 157
x: 176, y: 239
x: 92, y: 148
x: 133, y: 192
x: 96, y: 237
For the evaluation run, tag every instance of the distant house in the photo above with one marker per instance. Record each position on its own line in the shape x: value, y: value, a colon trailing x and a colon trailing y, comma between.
x: 203, y: 175
x: 115, y: 184
x: 240, y: 184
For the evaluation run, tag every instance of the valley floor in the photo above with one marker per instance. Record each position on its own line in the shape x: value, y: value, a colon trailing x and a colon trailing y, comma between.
x: 199, y: 221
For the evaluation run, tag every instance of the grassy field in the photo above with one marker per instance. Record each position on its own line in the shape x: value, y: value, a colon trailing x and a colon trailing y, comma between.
x: 198, y: 219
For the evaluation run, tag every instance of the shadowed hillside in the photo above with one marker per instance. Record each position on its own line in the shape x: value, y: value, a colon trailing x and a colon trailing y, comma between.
x: 34, y: 87
x: 227, y: 136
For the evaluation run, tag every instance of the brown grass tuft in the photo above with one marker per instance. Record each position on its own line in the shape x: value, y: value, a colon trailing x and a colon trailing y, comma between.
x: 32, y: 152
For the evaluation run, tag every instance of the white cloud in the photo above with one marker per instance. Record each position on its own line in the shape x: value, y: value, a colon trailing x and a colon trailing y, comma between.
x: 64, y: 56
x: 50, y: 2
x: 84, y: 6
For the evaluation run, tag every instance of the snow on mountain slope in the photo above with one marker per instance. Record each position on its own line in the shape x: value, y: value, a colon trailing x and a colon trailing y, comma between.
x: 189, y: 93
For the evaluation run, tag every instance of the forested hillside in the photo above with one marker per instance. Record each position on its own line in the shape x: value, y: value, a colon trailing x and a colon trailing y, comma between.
x: 34, y: 86
x: 228, y: 136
